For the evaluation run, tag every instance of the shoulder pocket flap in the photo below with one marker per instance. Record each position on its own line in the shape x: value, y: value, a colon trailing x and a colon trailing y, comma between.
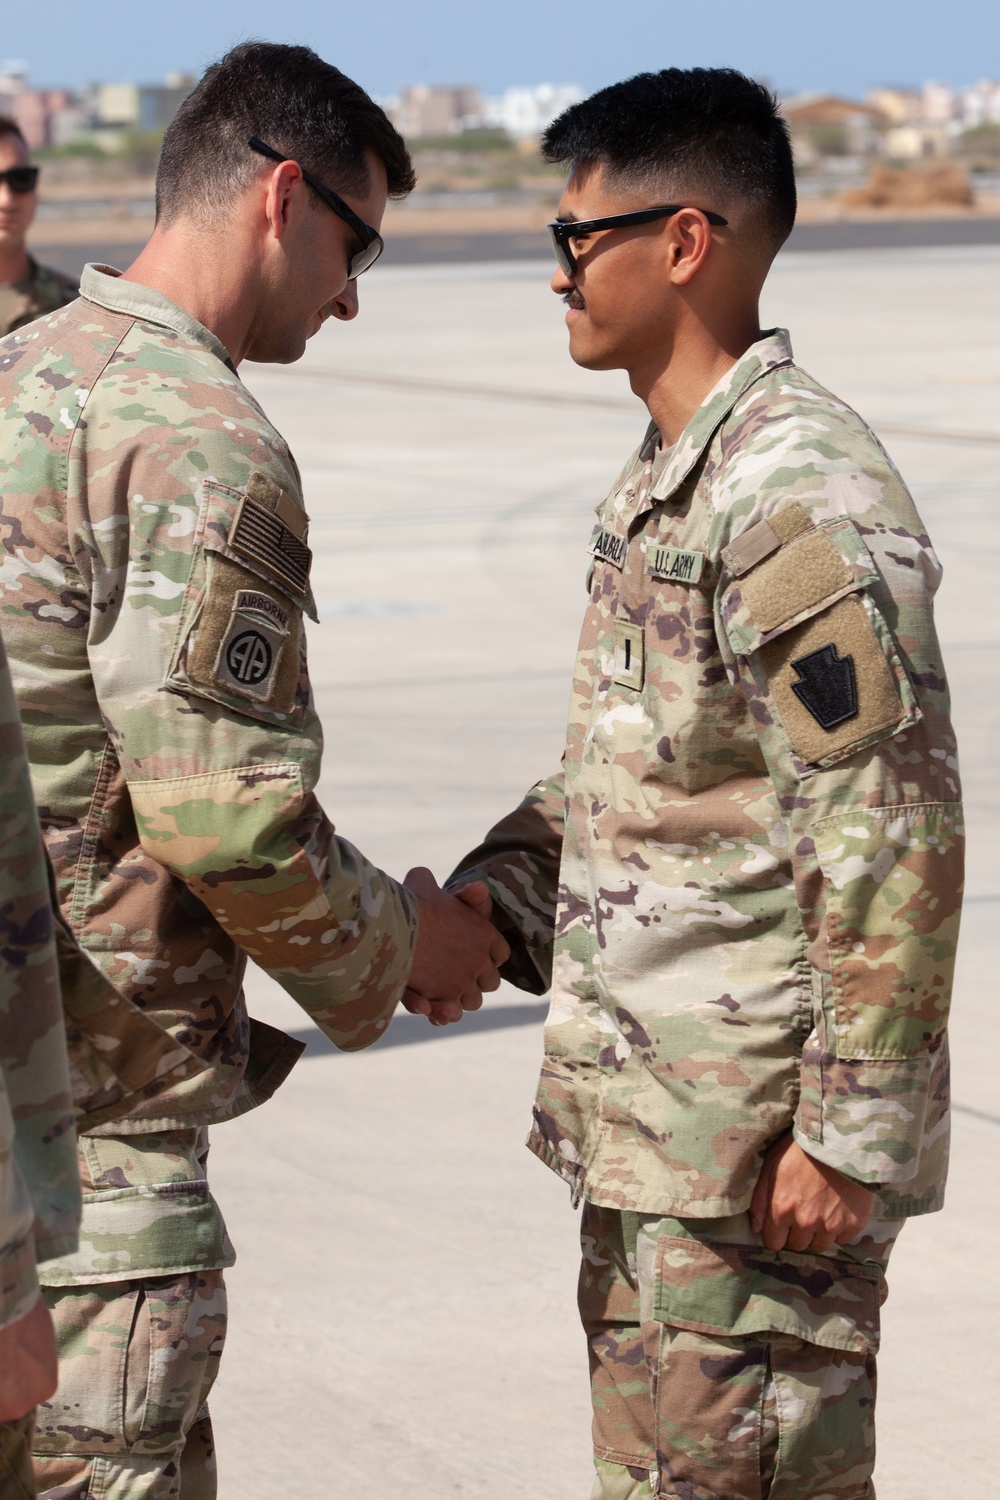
x: 806, y: 575
x: 738, y: 1290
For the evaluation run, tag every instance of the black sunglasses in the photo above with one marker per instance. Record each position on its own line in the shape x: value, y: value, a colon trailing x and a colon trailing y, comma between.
x: 372, y: 243
x: 21, y: 179
x: 563, y: 231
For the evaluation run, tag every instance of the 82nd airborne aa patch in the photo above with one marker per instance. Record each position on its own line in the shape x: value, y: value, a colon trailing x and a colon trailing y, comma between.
x: 251, y: 648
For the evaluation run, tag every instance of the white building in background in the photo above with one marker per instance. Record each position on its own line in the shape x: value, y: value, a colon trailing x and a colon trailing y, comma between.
x: 980, y: 105
x: 525, y: 112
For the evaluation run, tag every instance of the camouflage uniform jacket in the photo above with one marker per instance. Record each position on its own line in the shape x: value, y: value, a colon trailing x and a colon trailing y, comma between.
x: 43, y: 290
x: 39, y: 1185
x: 152, y: 591
x: 758, y: 820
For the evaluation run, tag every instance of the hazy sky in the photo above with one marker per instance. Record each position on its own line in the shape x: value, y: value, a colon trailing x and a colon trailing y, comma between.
x: 841, y: 45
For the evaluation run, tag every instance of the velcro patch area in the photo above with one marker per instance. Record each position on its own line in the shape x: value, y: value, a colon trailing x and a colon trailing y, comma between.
x: 765, y: 537
x: 802, y: 575
x: 264, y: 538
x: 831, y: 681
x: 245, y: 647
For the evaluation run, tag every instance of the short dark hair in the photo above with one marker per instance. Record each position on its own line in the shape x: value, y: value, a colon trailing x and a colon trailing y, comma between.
x: 294, y: 101
x: 9, y: 126
x: 711, y: 128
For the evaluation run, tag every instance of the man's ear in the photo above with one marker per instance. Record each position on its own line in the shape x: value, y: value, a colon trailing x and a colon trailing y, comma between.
x: 689, y: 241
x: 278, y: 197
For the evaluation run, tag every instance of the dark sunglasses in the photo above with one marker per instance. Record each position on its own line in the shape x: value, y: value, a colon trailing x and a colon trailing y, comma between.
x: 21, y: 179
x: 563, y: 231
x: 372, y: 243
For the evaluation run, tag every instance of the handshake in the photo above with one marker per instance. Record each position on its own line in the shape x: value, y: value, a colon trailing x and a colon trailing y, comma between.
x: 458, y: 951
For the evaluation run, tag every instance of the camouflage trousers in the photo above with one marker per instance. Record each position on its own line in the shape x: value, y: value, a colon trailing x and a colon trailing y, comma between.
x: 16, y: 1482
x: 137, y: 1360
x: 724, y: 1371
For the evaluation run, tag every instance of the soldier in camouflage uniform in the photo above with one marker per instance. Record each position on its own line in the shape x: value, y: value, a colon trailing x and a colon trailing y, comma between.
x: 42, y: 1092
x: 39, y: 1187
x: 27, y: 290
x: 745, y: 883
x: 153, y: 592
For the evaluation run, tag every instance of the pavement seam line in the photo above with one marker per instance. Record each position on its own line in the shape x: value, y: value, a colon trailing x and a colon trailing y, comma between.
x: 418, y: 385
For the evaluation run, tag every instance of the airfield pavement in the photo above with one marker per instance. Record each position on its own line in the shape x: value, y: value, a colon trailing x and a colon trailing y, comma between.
x: 403, y: 1318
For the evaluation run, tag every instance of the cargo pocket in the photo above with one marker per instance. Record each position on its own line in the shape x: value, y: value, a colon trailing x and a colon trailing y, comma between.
x: 820, y: 651
x: 240, y: 637
x: 765, y: 1379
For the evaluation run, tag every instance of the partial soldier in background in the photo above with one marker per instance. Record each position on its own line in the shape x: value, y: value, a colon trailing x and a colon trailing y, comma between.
x: 39, y: 1183
x: 116, y: 1057
x: 27, y: 290
x: 153, y: 598
x: 749, y: 869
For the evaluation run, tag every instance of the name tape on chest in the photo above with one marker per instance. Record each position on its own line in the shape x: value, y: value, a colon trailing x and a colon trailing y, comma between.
x: 266, y: 540
x: 674, y: 564
x: 609, y: 547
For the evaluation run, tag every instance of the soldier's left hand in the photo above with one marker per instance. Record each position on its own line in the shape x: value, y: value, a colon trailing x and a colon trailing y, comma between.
x: 802, y: 1204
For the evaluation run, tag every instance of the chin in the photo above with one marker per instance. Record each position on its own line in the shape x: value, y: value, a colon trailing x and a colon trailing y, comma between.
x: 595, y: 359
x: 285, y: 353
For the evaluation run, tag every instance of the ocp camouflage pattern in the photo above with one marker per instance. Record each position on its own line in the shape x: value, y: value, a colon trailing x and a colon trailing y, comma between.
x: 721, y: 1368
x: 42, y: 291
x: 759, y: 825
x: 175, y: 776
x: 138, y: 1361
x: 39, y: 1188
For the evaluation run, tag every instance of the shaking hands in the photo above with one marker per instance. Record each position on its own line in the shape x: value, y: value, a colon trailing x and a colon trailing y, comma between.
x: 458, y: 951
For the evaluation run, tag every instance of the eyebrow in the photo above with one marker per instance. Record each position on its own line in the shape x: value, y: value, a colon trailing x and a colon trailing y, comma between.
x: 570, y: 218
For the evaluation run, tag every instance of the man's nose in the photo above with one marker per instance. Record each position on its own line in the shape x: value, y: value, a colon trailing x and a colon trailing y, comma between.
x: 345, y: 306
x: 561, y: 283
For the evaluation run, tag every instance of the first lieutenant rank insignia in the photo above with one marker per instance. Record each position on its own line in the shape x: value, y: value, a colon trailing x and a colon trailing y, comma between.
x: 674, y: 564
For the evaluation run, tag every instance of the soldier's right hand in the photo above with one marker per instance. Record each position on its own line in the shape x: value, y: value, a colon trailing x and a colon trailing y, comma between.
x: 458, y: 951
x: 28, y: 1364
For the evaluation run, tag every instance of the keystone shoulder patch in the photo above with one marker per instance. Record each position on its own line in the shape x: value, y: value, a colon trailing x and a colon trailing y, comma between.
x: 827, y: 686
x: 833, y: 682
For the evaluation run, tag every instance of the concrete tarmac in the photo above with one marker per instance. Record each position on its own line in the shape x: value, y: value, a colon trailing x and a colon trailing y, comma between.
x: 450, y: 246
x: 403, y: 1316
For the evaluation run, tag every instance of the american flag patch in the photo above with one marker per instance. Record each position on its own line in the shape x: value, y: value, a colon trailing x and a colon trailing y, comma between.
x: 264, y: 539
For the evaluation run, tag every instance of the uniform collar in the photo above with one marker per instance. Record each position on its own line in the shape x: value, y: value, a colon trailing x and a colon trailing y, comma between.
x: 104, y: 285
x: 769, y: 353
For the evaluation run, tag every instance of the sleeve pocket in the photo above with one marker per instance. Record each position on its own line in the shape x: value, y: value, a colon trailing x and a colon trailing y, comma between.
x: 820, y: 649
x: 240, y: 637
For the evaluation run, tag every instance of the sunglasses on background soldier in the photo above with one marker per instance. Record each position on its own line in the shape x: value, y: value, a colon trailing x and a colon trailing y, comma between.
x: 372, y: 243
x: 565, y: 230
x: 21, y: 179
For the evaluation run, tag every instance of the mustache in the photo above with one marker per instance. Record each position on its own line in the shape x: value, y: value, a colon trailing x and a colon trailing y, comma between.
x: 574, y: 300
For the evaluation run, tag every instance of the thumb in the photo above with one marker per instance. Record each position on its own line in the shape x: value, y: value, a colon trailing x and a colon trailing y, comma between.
x: 477, y: 895
x: 421, y: 881
x: 761, y: 1199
